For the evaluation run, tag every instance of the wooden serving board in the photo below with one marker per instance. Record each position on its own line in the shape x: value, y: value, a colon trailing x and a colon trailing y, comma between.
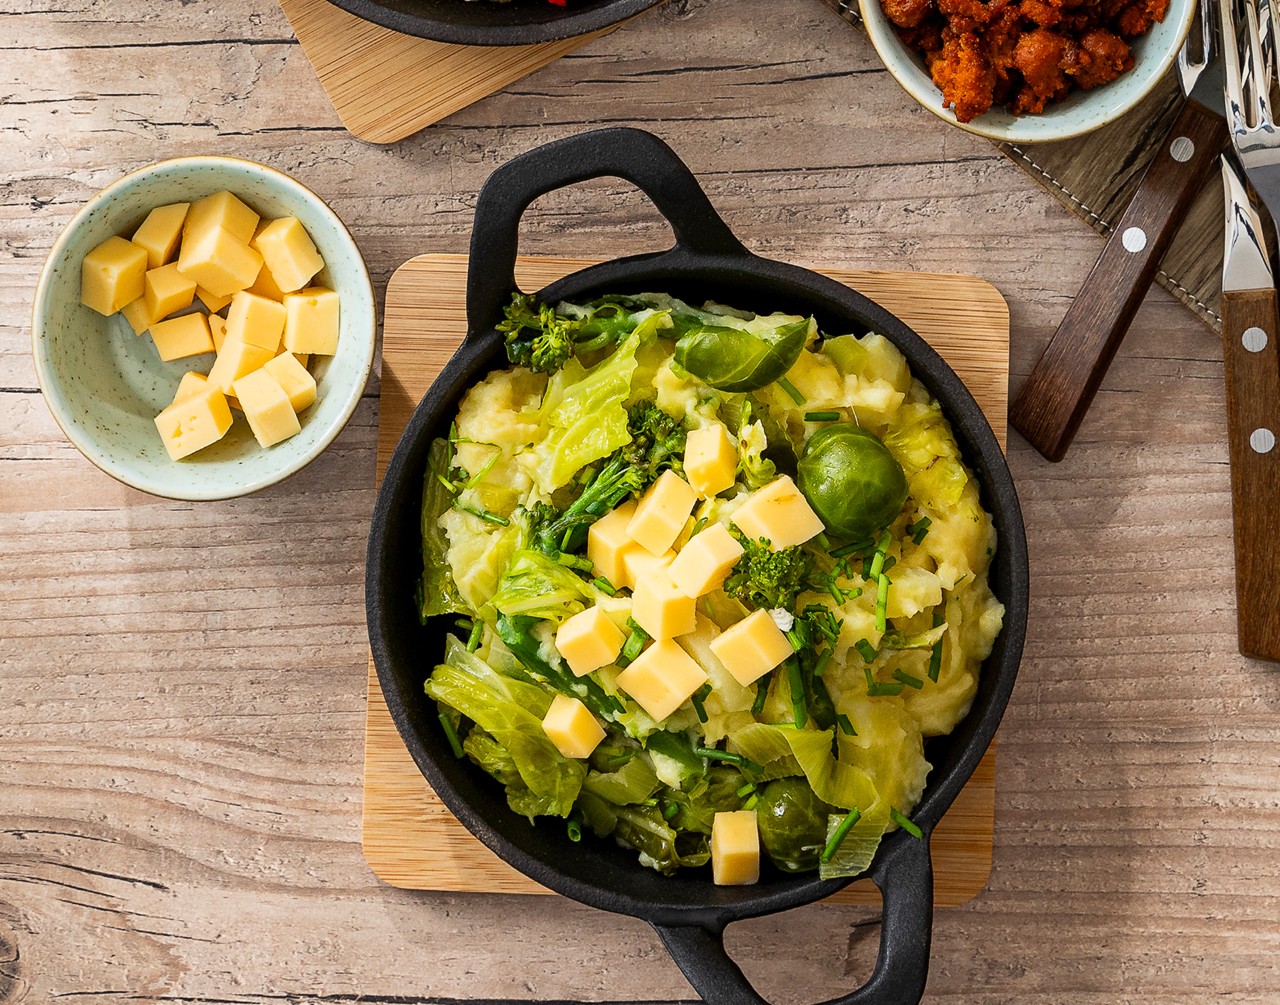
x: 386, y: 86
x: 410, y: 838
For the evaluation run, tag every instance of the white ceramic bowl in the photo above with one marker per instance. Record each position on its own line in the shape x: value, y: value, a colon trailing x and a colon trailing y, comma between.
x: 105, y: 385
x: 1080, y: 113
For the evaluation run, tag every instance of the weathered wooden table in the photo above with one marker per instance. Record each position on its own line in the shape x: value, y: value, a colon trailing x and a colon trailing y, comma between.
x: 182, y: 686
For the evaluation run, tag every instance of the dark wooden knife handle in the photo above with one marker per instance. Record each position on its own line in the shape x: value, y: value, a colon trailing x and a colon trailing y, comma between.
x: 1250, y: 331
x: 1054, y: 398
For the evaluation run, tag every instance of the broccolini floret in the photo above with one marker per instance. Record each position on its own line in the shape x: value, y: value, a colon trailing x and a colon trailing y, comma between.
x: 543, y: 340
x: 769, y: 579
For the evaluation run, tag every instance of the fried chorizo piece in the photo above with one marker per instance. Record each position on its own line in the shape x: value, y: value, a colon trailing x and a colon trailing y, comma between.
x: 907, y: 13
x: 964, y: 74
x: 1104, y: 56
x: 1140, y: 17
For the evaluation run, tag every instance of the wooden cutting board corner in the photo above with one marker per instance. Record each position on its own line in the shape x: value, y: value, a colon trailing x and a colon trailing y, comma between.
x: 409, y: 838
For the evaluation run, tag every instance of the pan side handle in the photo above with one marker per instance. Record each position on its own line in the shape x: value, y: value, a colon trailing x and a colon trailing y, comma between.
x: 906, y: 884
x: 631, y: 154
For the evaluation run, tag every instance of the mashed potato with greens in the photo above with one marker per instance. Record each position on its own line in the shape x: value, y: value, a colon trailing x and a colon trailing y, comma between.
x: 704, y: 562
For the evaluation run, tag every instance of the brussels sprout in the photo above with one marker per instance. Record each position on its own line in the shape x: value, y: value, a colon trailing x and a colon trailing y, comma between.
x: 852, y: 481
x: 793, y: 824
x: 734, y: 359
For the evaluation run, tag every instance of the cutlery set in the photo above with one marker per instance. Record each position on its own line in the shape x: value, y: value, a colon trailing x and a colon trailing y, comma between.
x: 1228, y: 82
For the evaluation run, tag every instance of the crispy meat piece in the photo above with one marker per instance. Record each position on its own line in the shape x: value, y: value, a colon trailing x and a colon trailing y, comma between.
x: 924, y: 38
x: 1140, y: 17
x: 1039, y: 56
x: 965, y: 75
x: 907, y: 13
x: 1104, y: 56
x: 965, y: 16
x: 1039, y: 12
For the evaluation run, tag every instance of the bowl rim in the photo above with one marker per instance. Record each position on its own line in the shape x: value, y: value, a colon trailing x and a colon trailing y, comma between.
x: 45, y: 375
x: 929, y: 96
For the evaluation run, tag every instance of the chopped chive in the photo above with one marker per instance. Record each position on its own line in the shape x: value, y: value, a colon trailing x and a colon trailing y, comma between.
x: 631, y: 648
x: 712, y: 754
x: 882, y: 602
x: 602, y: 584
x: 878, y: 689
x: 452, y: 735
x: 698, y: 697
x: 908, y: 679
x: 698, y: 524
x: 837, y: 837
x: 798, y: 708
x: 670, y: 810
x: 837, y: 594
x: 483, y: 514
x: 573, y: 829
x: 821, y: 416
x: 746, y: 790
x: 877, y: 560
x: 904, y: 823
x: 919, y: 529
x: 750, y: 804
x: 889, y: 563
x: 797, y: 643
x: 464, y: 623
x: 637, y: 630
x: 477, y: 632
x: 793, y: 392
x: 823, y: 541
x: 574, y: 561
x: 849, y: 549
x: 820, y: 667
x: 845, y: 725
x: 762, y: 693
x: 866, y: 650
x: 935, y: 657
x: 866, y: 566
x: 445, y: 482
x: 478, y: 477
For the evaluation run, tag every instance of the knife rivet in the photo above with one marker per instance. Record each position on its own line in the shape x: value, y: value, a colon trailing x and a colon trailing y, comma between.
x: 1181, y: 149
x: 1134, y: 239
x: 1254, y: 339
x: 1262, y: 440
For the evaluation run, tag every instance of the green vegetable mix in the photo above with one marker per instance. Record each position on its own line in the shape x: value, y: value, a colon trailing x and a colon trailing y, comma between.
x: 826, y: 744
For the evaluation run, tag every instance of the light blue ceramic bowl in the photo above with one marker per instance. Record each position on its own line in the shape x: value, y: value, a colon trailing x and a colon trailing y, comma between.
x: 105, y: 385
x: 1082, y: 112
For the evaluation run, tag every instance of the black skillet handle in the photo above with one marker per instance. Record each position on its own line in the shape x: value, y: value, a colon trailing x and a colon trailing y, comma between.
x: 906, y: 884
x: 631, y: 154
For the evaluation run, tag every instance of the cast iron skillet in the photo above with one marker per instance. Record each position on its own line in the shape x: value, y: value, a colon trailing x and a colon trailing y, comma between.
x: 707, y: 262
x: 484, y: 22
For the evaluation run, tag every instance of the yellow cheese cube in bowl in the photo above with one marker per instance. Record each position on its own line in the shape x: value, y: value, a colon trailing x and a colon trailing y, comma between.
x: 105, y: 386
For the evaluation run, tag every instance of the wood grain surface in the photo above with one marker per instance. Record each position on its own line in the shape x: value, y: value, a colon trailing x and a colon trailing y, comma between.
x: 386, y: 86
x: 409, y: 838
x: 181, y: 735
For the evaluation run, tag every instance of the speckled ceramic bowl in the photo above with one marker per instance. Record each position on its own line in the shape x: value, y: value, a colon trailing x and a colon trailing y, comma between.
x: 1082, y: 112
x: 105, y: 385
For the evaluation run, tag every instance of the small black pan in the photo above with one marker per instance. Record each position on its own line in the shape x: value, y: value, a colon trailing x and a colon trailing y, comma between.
x: 486, y: 22
x: 707, y: 262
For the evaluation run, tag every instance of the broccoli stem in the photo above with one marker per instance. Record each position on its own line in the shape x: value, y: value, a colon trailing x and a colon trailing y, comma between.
x: 516, y: 632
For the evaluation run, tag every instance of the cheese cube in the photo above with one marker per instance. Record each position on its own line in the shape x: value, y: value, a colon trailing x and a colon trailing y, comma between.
x: 710, y: 460
x: 220, y: 211
x: 267, y: 407
x: 178, y: 338
x: 214, y: 304
x: 160, y: 233
x: 256, y: 320
x: 662, y: 678
x: 778, y: 512
x: 302, y: 357
x: 735, y: 848
x: 265, y: 286
x: 218, y: 329
x: 607, y: 543
x: 311, y: 321
x: 136, y: 313
x: 166, y: 290
x: 638, y: 564
x: 219, y: 263
x: 289, y: 252
x: 194, y: 422
x: 705, y: 561
x: 235, y: 359
x: 661, y: 608
x: 751, y: 648
x: 111, y: 275
x: 291, y: 375
x: 192, y: 383
x: 661, y: 513
x: 571, y: 727
x: 589, y: 641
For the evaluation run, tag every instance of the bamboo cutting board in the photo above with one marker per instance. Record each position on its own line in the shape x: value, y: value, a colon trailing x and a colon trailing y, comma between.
x: 410, y: 838
x: 386, y: 86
